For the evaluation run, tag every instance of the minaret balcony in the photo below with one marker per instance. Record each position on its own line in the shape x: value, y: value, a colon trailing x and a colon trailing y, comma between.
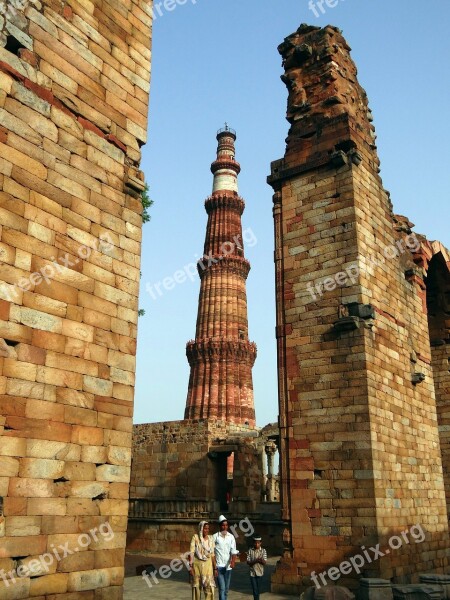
x: 225, y: 163
x: 225, y: 200
x: 212, y: 349
x: 222, y: 262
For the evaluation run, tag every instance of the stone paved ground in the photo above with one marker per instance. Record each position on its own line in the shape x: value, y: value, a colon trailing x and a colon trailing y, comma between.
x: 178, y: 588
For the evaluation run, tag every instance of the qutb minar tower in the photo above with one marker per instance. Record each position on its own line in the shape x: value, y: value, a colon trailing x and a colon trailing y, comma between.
x: 221, y: 357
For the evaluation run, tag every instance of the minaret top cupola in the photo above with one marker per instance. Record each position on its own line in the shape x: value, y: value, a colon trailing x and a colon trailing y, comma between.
x: 225, y: 168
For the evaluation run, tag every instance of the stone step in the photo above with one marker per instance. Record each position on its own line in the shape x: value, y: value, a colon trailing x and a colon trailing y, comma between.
x: 417, y: 592
x: 375, y: 589
x: 438, y: 580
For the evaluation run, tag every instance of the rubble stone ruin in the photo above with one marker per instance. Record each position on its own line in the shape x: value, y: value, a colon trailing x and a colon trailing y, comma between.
x: 363, y: 310
x: 74, y: 84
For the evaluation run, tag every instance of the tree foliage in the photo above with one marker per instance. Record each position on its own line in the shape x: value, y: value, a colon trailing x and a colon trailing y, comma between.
x: 146, y: 204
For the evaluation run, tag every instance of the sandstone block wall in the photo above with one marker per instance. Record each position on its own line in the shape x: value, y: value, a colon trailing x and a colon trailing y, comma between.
x: 177, y: 459
x: 181, y: 473
x: 74, y: 85
x: 360, y: 443
x: 171, y: 536
x: 433, y: 264
x: 170, y: 460
x: 174, y: 484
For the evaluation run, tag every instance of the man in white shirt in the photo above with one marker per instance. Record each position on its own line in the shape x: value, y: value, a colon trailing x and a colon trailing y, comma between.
x: 225, y: 552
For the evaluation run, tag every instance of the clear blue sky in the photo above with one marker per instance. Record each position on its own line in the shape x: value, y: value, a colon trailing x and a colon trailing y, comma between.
x: 216, y: 61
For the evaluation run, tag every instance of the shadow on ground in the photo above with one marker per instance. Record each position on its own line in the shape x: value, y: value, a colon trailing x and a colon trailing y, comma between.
x: 177, y: 586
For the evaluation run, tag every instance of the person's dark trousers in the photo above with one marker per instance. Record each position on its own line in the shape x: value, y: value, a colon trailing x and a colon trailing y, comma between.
x: 255, y: 587
x: 223, y: 582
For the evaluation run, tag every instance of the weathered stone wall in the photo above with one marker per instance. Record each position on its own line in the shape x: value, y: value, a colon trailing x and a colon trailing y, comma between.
x: 170, y: 460
x: 440, y: 361
x: 177, y: 459
x: 173, y: 537
x: 359, y: 438
x: 433, y: 262
x: 181, y: 474
x: 74, y: 84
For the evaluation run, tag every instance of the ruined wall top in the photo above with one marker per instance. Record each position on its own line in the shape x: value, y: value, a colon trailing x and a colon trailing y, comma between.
x: 177, y: 431
x: 324, y: 93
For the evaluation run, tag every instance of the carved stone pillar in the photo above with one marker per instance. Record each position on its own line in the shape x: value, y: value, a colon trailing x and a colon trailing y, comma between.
x: 271, y: 449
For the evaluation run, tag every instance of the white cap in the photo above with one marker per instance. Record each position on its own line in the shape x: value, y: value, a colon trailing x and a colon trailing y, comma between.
x: 222, y: 519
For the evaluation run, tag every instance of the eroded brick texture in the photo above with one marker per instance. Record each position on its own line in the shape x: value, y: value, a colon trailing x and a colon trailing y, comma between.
x: 358, y: 377
x: 74, y: 84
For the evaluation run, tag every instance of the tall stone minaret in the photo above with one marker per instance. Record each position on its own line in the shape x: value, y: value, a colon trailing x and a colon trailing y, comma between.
x: 221, y: 357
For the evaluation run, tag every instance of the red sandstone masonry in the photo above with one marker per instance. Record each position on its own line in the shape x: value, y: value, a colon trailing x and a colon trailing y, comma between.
x: 360, y: 441
x: 221, y: 357
x: 69, y: 177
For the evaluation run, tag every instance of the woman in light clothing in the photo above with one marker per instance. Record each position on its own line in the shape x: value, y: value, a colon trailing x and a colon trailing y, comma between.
x: 202, y: 563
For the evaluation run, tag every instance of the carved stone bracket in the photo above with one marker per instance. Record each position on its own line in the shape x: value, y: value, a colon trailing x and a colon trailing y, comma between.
x: 221, y: 200
x: 205, y: 350
x: 235, y: 264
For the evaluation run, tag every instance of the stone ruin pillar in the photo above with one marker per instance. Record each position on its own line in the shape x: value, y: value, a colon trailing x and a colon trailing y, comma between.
x: 360, y: 453
x: 74, y: 85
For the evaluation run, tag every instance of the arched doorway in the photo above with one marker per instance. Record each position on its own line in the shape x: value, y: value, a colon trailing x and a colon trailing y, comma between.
x: 438, y: 307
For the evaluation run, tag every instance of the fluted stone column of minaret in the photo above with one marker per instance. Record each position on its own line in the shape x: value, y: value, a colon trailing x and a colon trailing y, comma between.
x: 221, y: 357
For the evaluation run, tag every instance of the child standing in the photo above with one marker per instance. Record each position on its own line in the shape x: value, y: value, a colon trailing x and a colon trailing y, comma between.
x: 256, y: 559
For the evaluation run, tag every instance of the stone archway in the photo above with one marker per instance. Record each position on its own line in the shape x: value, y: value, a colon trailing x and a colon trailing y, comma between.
x: 437, y: 282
